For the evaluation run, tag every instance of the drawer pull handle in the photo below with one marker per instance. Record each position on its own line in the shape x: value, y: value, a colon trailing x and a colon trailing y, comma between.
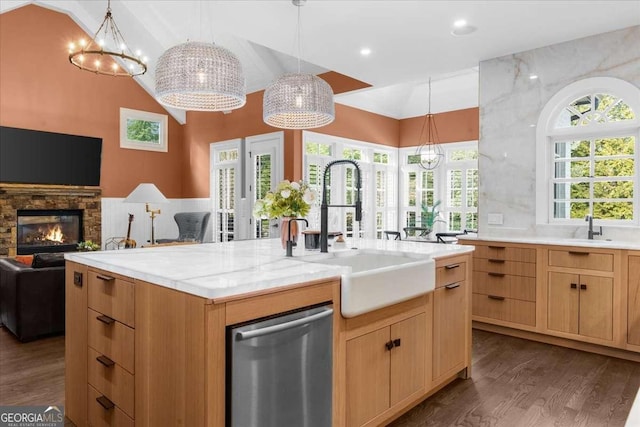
x: 452, y: 286
x: 389, y: 345
x: 497, y: 261
x: 491, y: 273
x: 584, y: 287
x: 496, y: 247
x: 396, y: 342
x: 578, y: 253
x: 105, y: 319
x: 496, y: 297
x: 451, y: 266
x: 105, y: 361
x: 574, y: 286
x: 105, y: 403
x: 105, y: 278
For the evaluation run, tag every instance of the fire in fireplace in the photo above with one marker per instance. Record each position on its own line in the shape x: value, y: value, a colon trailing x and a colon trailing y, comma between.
x: 55, y: 230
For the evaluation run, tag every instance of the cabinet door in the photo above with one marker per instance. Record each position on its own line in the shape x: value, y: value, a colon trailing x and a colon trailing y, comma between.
x: 449, y: 329
x: 407, y: 357
x: 75, y: 343
x: 596, y: 307
x: 367, y: 376
x: 563, y: 305
x: 633, y: 336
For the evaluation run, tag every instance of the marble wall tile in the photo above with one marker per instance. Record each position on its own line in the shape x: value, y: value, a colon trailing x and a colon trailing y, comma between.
x: 510, y: 104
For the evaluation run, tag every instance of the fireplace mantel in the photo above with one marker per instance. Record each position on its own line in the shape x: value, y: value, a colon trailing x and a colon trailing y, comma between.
x: 39, y: 196
x: 42, y: 189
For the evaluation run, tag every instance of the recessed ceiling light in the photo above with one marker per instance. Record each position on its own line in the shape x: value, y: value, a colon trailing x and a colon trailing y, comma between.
x: 533, y: 76
x: 365, y: 51
x: 462, y: 28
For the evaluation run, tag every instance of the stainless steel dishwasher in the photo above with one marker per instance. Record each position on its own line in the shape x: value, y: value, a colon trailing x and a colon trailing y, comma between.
x: 280, y: 371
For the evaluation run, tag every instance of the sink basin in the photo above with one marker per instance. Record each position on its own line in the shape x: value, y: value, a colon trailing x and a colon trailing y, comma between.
x: 376, y: 279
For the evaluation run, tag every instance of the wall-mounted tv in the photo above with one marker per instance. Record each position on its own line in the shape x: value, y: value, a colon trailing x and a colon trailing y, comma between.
x: 36, y: 157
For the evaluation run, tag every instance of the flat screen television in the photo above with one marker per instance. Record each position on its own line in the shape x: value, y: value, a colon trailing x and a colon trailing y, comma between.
x: 36, y: 157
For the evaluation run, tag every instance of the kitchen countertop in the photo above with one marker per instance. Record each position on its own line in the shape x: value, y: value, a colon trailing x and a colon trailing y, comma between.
x: 224, y: 270
x: 595, y: 243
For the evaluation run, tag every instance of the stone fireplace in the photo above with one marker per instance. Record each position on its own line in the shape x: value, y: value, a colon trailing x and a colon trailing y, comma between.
x: 32, y: 198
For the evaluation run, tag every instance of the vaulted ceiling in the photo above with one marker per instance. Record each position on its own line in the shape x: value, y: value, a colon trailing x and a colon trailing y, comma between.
x: 409, y: 40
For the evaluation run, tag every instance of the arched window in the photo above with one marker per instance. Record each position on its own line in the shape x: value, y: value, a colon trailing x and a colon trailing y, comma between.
x: 588, y: 139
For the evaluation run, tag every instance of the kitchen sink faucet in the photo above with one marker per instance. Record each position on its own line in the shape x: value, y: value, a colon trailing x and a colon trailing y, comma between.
x: 324, y: 207
x: 592, y: 233
x: 289, y: 239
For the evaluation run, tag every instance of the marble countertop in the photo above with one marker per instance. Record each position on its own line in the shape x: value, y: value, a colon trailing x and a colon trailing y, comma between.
x: 225, y: 270
x: 595, y: 243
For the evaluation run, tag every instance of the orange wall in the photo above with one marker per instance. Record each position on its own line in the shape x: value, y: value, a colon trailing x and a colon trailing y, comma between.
x: 452, y: 126
x: 41, y: 90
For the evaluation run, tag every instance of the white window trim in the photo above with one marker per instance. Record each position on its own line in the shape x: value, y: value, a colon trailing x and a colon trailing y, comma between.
x: 337, y: 144
x: 161, y: 119
x: 546, y: 134
x: 440, y: 178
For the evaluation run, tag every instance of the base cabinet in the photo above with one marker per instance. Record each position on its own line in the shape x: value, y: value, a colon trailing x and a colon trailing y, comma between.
x: 581, y: 304
x: 633, y: 325
x: 449, y: 330
x: 383, y: 368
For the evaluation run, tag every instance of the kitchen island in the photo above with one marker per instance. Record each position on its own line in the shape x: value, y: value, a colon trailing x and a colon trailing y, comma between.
x: 146, y: 330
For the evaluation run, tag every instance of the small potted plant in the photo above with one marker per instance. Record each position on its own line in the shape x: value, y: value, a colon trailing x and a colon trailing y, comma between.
x: 430, y: 215
x: 88, y: 246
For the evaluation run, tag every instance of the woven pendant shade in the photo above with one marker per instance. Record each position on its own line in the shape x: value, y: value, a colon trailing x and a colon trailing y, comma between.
x: 200, y: 76
x: 298, y: 101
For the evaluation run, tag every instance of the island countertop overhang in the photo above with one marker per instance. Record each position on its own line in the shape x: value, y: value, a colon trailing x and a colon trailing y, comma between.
x: 230, y: 269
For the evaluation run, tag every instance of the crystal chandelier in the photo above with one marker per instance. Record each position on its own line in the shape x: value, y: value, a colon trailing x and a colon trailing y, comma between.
x: 430, y: 153
x: 297, y: 100
x: 107, y: 52
x: 200, y: 76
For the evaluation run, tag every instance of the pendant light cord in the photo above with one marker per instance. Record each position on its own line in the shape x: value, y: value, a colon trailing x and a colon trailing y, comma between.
x: 298, y: 31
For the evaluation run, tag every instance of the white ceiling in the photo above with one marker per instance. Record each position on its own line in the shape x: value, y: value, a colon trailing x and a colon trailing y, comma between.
x: 410, y: 40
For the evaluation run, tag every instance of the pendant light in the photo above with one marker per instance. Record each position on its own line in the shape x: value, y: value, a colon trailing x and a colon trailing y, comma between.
x: 430, y: 153
x: 200, y: 76
x: 297, y: 100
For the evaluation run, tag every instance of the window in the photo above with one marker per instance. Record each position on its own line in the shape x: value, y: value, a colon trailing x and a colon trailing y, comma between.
x: 587, y: 140
x: 454, y: 184
x: 378, y: 180
x: 141, y: 130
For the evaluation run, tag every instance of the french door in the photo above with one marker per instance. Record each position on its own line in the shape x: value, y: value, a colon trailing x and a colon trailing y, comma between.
x: 242, y: 171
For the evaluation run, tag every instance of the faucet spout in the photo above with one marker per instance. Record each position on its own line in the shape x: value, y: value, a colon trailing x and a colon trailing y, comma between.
x: 324, y: 207
x: 289, y: 241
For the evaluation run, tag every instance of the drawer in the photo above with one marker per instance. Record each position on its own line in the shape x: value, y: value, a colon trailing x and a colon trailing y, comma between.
x: 111, y: 380
x: 505, y: 285
x: 494, y: 265
x: 111, y: 338
x: 101, y: 416
x: 499, y: 251
x: 505, y: 309
x: 450, y: 273
x: 111, y: 296
x: 581, y: 259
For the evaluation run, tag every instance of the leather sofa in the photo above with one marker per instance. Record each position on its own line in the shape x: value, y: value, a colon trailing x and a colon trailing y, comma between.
x: 32, y: 298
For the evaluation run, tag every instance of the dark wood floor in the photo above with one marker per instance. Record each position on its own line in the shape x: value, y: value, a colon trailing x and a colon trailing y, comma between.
x: 515, y: 383
x: 524, y: 383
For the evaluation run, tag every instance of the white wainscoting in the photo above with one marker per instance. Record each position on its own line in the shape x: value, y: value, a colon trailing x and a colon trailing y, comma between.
x: 115, y: 219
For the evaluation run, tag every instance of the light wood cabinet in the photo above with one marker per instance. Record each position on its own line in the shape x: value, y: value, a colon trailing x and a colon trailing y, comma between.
x: 449, y: 330
x: 75, y: 351
x: 384, y: 367
x: 633, y: 301
x: 581, y: 304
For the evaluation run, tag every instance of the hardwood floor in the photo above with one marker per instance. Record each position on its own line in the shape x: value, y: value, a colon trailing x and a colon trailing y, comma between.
x: 524, y: 383
x: 515, y: 383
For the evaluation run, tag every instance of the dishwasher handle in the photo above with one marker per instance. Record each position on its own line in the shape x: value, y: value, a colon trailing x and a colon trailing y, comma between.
x: 241, y: 336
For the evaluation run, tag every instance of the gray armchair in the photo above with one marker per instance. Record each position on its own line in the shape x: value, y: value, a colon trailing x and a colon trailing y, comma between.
x: 191, y: 226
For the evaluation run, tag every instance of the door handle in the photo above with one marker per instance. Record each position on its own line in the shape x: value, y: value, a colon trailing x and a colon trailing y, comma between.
x: 105, y: 278
x: 396, y: 342
x: 389, y: 345
x: 494, y: 274
x: 452, y: 286
x: 496, y: 297
x: 245, y: 335
x: 451, y: 266
x: 574, y: 286
x: 496, y: 247
x: 583, y: 287
x: 497, y: 261
x: 578, y: 253
x: 105, y: 402
x: 105, y: 361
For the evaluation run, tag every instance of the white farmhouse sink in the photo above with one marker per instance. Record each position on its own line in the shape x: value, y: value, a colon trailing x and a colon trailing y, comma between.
x: 376, y: 279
